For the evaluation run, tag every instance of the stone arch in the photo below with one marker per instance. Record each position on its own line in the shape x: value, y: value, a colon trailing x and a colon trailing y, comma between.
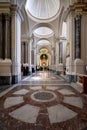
x: 43, y: 25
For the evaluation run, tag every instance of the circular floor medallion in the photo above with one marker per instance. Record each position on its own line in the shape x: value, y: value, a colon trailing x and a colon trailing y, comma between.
x: 43, y: 96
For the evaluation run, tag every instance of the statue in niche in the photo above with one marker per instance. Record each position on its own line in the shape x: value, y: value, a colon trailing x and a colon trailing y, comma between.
x: 68, y: 49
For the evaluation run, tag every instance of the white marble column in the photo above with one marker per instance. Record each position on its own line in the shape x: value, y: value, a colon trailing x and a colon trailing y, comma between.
x: 60, y: 66
x: 30, y: 54
x: 16, y: 44
x: 25, y: 52
x: 35, y: 58
x: 71, y: 40
x: 52, y: 60
x: 57, y: 55
x: 60, y: 52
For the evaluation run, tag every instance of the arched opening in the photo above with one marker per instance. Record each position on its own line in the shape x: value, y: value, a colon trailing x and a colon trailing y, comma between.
x: 43, y: 59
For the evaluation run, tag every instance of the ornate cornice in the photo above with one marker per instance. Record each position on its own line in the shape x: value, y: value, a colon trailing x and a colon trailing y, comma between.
x: 79, y: 8
x: 15, y: 9
x: 4, y: 7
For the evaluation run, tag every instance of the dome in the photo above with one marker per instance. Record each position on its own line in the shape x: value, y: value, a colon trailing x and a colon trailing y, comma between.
x: 43, y: 31
x: 42, y: 9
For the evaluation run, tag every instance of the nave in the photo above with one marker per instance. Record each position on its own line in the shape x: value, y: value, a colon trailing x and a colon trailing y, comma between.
x: 43, y: 101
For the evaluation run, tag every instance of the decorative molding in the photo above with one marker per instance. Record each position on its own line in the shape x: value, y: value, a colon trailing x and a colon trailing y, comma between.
x: 5, y: 7
x: 78, y: 8
x: 15, y: 9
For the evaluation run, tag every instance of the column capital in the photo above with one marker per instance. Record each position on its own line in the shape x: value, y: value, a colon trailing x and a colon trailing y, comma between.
x: 78, y: 16
x: 16, y: 10
x: 80, y: 7
x: 7, y: 16
x: 13, y: 9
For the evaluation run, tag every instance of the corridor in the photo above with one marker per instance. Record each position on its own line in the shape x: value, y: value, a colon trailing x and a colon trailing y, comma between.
x: 43, y: 101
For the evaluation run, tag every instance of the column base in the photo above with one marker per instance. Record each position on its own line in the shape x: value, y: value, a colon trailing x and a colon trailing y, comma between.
x: 58, y: 72
x: 79, y: 66
x: 5, y: 80
x: 8, y: 80
x: 5, y: 72
x: 71, y: 78
x: 16, y: 79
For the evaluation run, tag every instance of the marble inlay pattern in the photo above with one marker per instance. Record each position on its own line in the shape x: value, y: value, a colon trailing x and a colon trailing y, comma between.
x: 11, y: 101
x: 29, y: 112
x: 26, y: 113
x: 35, y: 88
x: 44, y: 76
x: 18, y: 111
x: 52, y: 88
x: 65, y: 92
x: 43, y: 96
x: 21, y: 92
x: 75, y: 101
x: 36, y: 78
x: 60, y: 113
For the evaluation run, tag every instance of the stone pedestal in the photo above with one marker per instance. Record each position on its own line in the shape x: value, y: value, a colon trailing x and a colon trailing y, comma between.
x: 60, y: 68
x: 71, y: 78
x: 5, y: 72
x: 25, y: 69
x: 68, y: 61
x: 79, y: 66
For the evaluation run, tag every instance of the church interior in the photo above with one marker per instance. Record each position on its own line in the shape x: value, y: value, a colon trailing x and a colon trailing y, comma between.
x: 43, y: 65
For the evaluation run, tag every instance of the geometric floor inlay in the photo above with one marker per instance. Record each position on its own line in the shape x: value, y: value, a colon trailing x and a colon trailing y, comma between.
x: 11, y: 101
x: 75, y: 101
x: 56, y: 113
x: 43, y: 105
x: 26, y: 113
x: 43, y: 96
x: 35, y: 88
x: 21, y: 92
x: 52, y: 88
x: 36, y: 78
x: 65, y: 92
x: 60, y: 113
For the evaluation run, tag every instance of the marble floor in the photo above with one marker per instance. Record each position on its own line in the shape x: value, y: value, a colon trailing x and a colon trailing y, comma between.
x: 43, y: 101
